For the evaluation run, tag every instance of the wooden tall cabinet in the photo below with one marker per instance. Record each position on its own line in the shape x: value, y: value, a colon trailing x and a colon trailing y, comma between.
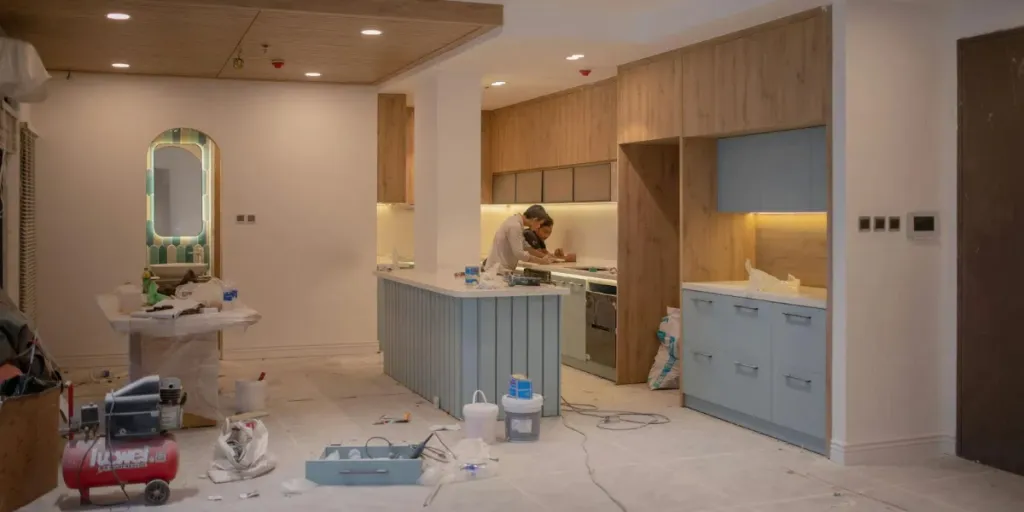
x: 649, y: 97
x: 391, y: 155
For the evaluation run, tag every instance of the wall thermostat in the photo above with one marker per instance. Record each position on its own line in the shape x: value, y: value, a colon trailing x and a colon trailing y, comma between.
x: 922, y: 225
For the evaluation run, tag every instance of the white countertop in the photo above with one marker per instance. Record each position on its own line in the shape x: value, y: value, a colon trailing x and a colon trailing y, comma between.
x: 448, y: 284
x: 808, y: 296
x: 169, y: 328
x: 570, y: 270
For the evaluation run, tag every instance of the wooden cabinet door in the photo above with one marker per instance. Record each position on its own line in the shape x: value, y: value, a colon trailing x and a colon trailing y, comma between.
x: 391, y: 154
x: 649, y: 99
x: 699, y: 96
x: 558, y: 186
x: 529, y: 187
x: 504, y: 191
x: 592, y: 183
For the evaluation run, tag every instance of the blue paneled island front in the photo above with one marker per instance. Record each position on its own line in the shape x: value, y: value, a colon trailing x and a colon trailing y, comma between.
x: 444, y: 340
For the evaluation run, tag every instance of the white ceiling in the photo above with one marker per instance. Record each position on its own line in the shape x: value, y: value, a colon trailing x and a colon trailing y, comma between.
x: 529, y: 50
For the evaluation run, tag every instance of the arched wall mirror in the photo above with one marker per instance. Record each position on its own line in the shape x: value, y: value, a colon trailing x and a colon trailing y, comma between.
x: 182, y: 171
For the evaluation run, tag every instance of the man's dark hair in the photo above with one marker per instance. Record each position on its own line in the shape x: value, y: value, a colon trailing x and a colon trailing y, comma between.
x: 547, y: 222
x: 535, y: 212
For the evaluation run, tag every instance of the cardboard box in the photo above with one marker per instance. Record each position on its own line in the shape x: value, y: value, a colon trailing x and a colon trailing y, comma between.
x: 30, y: 448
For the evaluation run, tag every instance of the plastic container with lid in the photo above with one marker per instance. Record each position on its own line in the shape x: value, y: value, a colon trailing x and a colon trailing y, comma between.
x: 522, y: 418
x: 480, y: 418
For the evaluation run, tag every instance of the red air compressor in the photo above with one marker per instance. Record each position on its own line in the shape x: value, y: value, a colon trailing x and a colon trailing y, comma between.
x: 134, y: 447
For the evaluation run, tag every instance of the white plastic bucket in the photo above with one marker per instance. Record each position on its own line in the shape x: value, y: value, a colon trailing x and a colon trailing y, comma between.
x: 480, y: 418
x: 250, y: 395
x: 522, y: 418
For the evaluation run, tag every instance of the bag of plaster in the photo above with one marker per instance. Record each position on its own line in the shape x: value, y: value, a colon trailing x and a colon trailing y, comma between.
x: 240, y: 452
x: 761, y: 281
x: 665, y: 372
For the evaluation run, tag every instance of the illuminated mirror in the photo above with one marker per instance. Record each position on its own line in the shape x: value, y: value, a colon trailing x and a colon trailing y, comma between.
x: 177, y: 190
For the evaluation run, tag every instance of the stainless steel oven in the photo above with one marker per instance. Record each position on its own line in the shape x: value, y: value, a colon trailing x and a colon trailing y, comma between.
x: 601, y: 324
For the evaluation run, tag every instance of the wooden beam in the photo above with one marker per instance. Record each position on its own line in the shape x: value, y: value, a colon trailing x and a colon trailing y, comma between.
x: 405, y: 10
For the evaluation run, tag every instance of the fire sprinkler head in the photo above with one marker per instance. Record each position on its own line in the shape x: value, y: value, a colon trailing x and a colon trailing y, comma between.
x: 277, y: 63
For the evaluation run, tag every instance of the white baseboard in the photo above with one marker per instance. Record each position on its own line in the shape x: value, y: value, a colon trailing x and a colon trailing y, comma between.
x: 897, y: 451
x: 291, y: 351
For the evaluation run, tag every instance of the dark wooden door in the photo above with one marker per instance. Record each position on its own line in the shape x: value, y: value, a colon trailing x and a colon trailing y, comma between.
x: 991, y: 251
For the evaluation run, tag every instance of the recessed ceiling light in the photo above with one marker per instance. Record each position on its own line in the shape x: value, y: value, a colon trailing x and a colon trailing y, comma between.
x: 575, y: 56
x: 497, y: 84
x: 313, y: 74
x: 120, y: 65
x: 118, y: 16
x: 371, y: 32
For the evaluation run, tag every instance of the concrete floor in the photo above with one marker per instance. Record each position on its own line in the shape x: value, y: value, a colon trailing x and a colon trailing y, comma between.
x: 695, y: 463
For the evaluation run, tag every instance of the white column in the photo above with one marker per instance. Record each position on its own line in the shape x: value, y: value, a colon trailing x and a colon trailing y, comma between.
x: 447, y: 167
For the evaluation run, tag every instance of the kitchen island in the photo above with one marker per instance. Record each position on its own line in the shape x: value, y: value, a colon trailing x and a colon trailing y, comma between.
x: 444, y: 340
x: 757, y: 359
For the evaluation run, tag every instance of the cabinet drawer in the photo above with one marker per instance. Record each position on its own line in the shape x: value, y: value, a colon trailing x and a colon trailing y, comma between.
x: 799, y: 400
x: 700, y: 317
x: 746, y: 327
x: 699, y: 371
x: 745, y: 383
x: 798, y: 337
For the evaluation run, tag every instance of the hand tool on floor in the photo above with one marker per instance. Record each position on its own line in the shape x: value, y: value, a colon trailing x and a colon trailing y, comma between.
x: 387, y: 420
x: 134, y: 447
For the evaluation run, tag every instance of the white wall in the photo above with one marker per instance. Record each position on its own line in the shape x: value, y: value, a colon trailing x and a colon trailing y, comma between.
x: 295, y: 155
x: 895, y: 140
x: 590, y: 230
x: 885, y: 334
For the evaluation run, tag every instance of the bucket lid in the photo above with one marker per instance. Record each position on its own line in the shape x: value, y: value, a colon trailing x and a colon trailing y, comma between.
x: 523, y: 405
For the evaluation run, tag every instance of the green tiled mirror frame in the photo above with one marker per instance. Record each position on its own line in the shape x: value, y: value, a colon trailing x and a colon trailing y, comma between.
x: 182, y: 249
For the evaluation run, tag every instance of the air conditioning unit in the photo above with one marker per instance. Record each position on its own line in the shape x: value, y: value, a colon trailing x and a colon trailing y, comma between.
x: 22, y: 73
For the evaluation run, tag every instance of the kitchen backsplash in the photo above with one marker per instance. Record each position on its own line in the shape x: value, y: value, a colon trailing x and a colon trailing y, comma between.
x: 589, y: 230
x: 793, y: 244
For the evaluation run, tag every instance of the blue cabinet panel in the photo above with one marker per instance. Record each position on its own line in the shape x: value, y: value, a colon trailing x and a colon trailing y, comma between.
x: 774, y: 172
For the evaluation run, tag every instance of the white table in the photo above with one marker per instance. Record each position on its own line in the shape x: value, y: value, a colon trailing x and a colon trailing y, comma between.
x: 185, y: 348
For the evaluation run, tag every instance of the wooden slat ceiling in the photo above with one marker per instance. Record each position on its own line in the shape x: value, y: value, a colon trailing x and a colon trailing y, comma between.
x: 201, y: 38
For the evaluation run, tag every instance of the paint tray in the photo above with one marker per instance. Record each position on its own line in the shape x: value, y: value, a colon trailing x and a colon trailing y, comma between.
x: 375, y: 467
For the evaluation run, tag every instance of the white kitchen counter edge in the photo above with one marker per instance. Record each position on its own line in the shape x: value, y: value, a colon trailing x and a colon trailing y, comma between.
x: 733, y: 291
x: 455, y: 287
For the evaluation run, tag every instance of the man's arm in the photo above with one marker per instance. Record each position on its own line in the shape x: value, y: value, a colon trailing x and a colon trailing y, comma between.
x: 518, y: 243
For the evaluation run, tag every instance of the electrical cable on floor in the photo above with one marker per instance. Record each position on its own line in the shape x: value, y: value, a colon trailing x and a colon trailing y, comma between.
x: 632, y: 420
x: 609, y: 418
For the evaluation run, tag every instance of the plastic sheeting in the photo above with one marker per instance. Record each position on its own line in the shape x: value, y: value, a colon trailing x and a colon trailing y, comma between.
x: 195, y: 360
x: 22, y: 73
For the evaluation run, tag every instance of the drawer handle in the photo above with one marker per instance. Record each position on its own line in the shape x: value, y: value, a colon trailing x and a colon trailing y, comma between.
x: 740, y: 306
x: 363, y: 472
x: 794, y: 377
x: 703, y: 354
x: 794, y: 315
x: 751, y: 366
x: 706, y: 301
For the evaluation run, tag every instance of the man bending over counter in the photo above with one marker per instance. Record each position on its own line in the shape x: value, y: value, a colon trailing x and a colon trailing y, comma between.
x: 535, y: 241
x: 509, y: 245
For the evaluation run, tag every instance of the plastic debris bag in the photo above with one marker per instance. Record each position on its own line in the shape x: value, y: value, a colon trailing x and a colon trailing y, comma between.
x: 665, y: 372
x: 761, y: 281
x: 241, y: 452
x: 472, y: 462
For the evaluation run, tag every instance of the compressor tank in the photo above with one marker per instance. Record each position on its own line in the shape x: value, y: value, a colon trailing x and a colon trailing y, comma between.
x: 90, y: 463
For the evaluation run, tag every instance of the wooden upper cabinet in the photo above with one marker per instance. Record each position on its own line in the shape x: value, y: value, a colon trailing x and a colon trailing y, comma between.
x: 569, y: 128
x: 392, y: 119
x: 773, y: 79
x: 649, y: 99
x: 699, y: 91
x: 410, y: 155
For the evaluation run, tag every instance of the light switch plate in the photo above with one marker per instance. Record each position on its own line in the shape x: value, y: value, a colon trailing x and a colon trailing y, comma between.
x: 240, y: 219
x: 879, y: 224
x: 894, y: 223
x: 251, y: 219
x: 864, y: 224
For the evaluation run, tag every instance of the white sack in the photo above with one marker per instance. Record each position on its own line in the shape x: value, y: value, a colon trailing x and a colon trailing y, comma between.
x: 250, y: 461
x: 665, y: 372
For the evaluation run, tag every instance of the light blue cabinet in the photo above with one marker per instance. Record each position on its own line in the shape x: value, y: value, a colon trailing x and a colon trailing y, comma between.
x: 756, y: 363
x: 774, y: 172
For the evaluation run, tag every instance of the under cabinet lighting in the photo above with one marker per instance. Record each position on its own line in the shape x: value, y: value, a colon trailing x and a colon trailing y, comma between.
x: 118, y: 16
x: 371, y: 32
x: 497, y: 84
x: 313, y: 74
x: 120, y: 65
